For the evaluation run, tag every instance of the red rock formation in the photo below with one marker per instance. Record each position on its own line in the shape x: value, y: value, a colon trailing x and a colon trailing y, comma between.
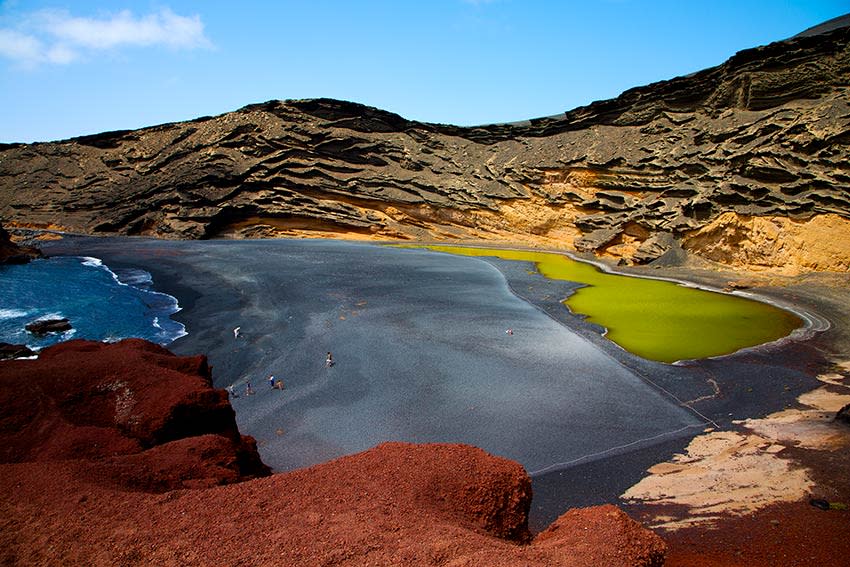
x: 95, y: 438
x: 124, y: 405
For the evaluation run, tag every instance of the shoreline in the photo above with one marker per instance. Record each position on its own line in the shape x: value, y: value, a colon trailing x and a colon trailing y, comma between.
x: 812, y: 322
x: 610, y: 469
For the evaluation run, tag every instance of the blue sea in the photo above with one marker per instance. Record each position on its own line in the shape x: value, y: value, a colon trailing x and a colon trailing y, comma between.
x: 101, y: 305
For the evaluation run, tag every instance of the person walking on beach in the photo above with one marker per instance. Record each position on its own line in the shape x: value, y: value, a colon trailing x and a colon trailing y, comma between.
x: 329, y: 361
x: 248, y: 389
x: 271, y: 381
x: 236, y: 332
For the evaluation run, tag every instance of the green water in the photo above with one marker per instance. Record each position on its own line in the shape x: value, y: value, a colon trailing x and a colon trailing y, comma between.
x: 657, y: 320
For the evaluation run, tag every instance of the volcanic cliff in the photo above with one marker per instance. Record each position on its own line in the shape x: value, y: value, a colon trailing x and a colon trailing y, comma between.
x: 124, y: 454
x: 746, y: 163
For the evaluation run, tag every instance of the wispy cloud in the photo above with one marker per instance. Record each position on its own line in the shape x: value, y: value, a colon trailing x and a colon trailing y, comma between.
x: 57, y: 37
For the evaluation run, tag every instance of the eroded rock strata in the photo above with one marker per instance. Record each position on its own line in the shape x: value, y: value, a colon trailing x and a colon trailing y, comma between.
x: 744, y: 163
x: 123, y: 454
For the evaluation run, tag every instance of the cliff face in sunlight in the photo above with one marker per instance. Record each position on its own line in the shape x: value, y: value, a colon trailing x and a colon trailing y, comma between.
x: 734, y: 154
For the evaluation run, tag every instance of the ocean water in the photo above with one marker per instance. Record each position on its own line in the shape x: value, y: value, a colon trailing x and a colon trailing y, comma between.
x: 101, y: 305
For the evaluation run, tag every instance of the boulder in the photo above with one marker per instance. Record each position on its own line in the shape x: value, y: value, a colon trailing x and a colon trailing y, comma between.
x: 8, y: 351
x: 45, y: 326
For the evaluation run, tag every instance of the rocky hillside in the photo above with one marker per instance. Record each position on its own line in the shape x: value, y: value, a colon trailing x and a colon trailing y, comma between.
x: 130, y: 414
x: 746, y: 163
x: 123, y: 454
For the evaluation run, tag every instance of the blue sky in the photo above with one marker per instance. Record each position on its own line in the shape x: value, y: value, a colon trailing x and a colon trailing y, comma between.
x: 70, y: 68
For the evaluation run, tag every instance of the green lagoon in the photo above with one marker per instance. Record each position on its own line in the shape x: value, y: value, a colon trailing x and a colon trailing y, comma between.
x: 655, y: 319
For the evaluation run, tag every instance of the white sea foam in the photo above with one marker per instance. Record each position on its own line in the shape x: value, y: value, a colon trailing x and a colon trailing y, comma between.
x: 34, y: 357
x: 12, y: 313
x: 49, y: 316
x: 133, y: 278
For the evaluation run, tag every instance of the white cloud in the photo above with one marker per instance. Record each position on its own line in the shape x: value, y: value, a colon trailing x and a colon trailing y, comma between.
x: 55, y: 36
x: 20, y: 47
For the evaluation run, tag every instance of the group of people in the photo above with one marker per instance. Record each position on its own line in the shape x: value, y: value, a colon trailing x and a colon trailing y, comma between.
x: 274, y: 383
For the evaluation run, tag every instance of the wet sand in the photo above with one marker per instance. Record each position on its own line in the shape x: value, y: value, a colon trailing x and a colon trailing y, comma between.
x: 422, y: 355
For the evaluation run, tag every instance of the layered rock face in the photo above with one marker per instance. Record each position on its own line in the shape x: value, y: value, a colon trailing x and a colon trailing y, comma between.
x: 123, y: 454
x: 692, y: 162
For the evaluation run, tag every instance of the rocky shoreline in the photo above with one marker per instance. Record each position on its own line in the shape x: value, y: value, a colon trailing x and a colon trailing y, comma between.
x: 720, y: 537
x: 713, y: 537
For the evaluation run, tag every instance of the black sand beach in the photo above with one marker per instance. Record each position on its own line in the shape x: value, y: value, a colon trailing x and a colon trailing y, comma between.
x: 422, y: 355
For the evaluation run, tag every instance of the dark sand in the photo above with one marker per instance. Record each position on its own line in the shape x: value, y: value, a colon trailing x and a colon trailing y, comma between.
x: 422, y: 355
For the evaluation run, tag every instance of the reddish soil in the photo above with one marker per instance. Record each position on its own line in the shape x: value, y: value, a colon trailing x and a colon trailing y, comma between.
x: 125, y: 455
x: 788, y: 535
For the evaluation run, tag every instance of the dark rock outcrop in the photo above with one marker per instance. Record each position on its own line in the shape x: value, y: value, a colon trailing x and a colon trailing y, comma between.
x: 8, y: 351
x: 766, y: 135
x: 11, y: 253
x: 843, y: 415
x: 45, y: 326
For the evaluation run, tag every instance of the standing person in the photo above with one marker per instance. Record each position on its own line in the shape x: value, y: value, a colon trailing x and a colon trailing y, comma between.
x: 237, y: 332
x: 248, y: 389
x: 271, y: 381
x: 329, y: 361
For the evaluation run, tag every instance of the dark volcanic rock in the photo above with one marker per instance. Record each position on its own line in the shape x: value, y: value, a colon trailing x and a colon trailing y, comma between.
x: 8, y: 351
x: 654, y: 247
x: 765, y: 134
x: 44, y: 326
x: 843, y: 415
x: 11, y: 253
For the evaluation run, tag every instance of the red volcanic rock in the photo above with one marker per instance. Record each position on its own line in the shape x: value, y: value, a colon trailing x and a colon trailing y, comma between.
x: 386, y: 506
x: 456, y: 483
x: 95, y: 438
x: 123, y: 403
x: 590, y: 532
